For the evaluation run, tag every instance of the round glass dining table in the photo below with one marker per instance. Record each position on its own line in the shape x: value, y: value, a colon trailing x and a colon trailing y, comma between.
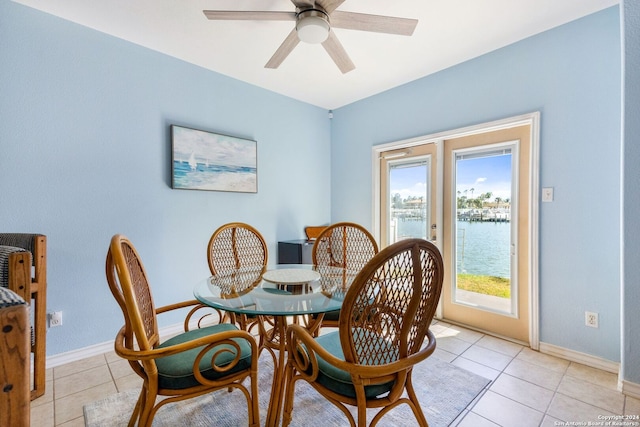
x: 283, y: 290
x: 284, y: 293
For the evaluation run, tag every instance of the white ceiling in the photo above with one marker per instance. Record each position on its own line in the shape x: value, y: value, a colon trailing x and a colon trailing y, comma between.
x: 449, y: 32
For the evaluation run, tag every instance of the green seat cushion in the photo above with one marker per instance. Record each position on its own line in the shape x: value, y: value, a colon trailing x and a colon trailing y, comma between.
x: 338, y: 380
x: 176, y: 372
x: 333, y: 316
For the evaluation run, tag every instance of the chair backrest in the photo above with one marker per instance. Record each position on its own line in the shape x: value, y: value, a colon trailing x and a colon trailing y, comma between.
x: 236, y: 246
x: 128, y: 282
x: 390, y: 305
x: 313, y: 231
x: 344, y: 244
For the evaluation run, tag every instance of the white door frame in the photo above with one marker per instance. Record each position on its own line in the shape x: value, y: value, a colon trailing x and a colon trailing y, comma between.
x: 532, y: 119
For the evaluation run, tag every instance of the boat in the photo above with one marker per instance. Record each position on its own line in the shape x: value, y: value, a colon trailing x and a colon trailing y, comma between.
x: 192, y: 162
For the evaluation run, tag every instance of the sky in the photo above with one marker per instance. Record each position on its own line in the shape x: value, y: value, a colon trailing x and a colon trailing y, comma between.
x: 483, y: 174
x: 212, y: 147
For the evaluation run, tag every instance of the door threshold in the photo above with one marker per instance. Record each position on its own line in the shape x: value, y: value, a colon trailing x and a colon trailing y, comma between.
x: 482, y: 331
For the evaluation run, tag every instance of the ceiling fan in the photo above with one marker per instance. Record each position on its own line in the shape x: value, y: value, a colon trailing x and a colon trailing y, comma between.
x: 314, y: 21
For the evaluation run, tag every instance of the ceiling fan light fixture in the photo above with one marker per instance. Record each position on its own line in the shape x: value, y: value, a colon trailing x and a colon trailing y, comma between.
x: 313, y: 26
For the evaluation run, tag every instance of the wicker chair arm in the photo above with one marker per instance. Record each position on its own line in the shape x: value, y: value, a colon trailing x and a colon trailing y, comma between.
x: 195, y: 318
x: 177, y: 306
x: 217, y: 338
x: 374, y: 371
x: 297, y: 333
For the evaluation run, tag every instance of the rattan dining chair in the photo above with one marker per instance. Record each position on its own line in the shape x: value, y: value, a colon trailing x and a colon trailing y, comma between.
x: 346, y: 245
x: 190, y: 364
x: 384, y: 321
x: 313, y: 231
x: 238, y: 250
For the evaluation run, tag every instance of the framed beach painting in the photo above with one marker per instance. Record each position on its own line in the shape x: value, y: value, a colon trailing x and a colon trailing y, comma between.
x: 204, y: 160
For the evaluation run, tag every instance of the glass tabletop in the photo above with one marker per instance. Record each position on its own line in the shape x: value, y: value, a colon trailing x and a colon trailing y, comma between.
x: 286, y: 289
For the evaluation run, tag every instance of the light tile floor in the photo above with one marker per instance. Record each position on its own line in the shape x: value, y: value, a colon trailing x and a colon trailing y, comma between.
x: 527, y: 389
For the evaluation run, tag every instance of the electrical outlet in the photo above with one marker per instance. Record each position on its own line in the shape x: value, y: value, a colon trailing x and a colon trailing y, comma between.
x: 591, y: 319
x: 55, y: 319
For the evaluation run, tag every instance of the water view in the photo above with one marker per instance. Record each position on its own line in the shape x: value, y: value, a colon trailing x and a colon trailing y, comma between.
x: 482, y: 246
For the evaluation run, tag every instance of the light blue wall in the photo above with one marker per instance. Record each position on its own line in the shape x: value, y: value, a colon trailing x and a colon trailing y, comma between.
x: 85, y: 153
x: 570, y: 74
x: 631, y: 184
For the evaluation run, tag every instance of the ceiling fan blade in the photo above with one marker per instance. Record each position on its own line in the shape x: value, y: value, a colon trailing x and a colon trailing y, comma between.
x: 238, y: 15
x: 329, y: 5
x: 375, y: 23
x: 303, y: 4
x: 335, y: 50
x: 284, y: 50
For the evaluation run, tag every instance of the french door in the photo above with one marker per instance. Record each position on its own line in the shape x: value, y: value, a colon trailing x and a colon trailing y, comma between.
x: 409, y: 194
x: 471, y: 195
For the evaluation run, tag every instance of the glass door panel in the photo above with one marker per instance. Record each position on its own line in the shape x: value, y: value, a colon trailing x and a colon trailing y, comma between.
x: 483, y: 229
x: 409, y: 208
x: 407, y: 194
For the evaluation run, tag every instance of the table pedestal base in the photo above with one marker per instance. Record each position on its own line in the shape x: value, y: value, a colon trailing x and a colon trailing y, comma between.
x: 275, y: 339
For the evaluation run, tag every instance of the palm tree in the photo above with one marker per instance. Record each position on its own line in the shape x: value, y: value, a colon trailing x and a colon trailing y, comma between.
x: 462, y: 202
x: 396, y: 201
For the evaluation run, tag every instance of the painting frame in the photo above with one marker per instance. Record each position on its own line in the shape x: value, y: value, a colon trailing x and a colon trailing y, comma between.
x: 210, y: 161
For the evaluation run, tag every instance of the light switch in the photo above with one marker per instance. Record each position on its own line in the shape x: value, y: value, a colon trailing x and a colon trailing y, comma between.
x: 547, y: 194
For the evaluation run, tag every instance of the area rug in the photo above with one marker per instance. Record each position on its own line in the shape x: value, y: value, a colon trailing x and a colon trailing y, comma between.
x: 443, y: 390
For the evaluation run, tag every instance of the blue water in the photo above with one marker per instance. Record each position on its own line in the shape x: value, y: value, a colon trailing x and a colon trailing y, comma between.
x: 482, y: 247
x: 214, y: 177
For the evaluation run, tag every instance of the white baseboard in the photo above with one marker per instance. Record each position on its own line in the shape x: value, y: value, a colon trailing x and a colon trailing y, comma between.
x: 582, y: 358
x: 102, y: 348
x: 630, y: 389
x: 626, y: 387
x: 79, y: 354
